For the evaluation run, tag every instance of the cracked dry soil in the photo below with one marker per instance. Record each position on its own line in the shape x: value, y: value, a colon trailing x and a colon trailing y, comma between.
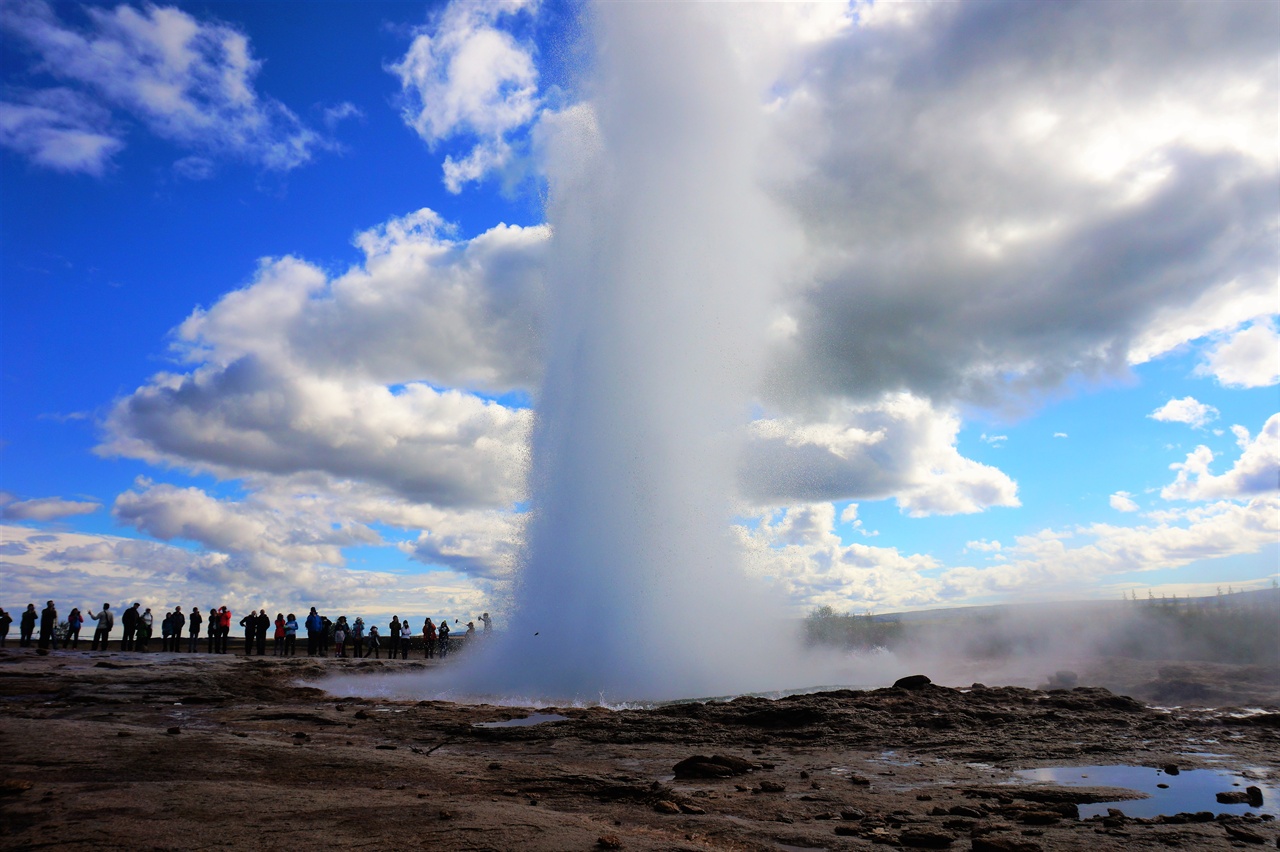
x: 111, y: 750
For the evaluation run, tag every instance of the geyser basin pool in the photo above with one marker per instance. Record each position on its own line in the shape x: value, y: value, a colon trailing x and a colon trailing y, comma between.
x: 1189, y: 791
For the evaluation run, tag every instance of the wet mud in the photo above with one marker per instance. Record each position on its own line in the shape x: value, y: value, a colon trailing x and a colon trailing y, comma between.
x: 114, y: 750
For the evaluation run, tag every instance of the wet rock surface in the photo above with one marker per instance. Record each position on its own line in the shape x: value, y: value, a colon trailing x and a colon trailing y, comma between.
x: 89, y: 755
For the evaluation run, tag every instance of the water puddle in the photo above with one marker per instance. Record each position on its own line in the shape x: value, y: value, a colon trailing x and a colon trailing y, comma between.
x: 1190, y: 791
x: 533, y: 719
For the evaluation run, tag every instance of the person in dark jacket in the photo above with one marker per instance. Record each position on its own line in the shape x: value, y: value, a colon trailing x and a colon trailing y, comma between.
x: 264, y: 624
x: 250, y: 625
x: 129, y: 621
x: 393, y: 638
x: 74, y: 622
x: 5, y: 620
x: 48, y: 621
x: 179, y: 624
x: 443, y: 642
x: 314, y: 626
x: 27, y: 626
x: 211, y: 631
x: 193, y: 627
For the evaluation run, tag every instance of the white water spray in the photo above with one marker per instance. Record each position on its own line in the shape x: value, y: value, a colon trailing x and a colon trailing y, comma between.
x: 664, y: 261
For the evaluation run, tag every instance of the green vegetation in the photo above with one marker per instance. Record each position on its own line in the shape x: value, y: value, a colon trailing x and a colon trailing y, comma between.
x: 825, y: 626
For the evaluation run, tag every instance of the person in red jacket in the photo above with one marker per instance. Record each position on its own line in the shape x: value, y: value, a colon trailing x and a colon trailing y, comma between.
x: 224, y: 628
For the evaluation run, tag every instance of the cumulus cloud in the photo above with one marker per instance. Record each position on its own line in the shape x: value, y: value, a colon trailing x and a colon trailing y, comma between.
x: 1122, y: 501
x: 900, y: 447
x: 1187, y: 410
x: 186, y: 80
x: 1257, y: 471
x: 81, y: 569
x: 465, y: 76
x: 46, y: 508
x: 1014, y: 215
x: 1248, y: 359
x: 444, y: 447
x: 798, y: 549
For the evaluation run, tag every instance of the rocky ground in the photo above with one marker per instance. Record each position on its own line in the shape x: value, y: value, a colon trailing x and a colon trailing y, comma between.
x: 113, y: 750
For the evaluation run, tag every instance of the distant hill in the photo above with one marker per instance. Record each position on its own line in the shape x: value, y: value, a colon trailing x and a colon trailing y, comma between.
x: 1254, y: 599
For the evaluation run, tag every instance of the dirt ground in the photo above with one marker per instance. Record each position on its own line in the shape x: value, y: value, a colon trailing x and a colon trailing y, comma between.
x: 165, y: 751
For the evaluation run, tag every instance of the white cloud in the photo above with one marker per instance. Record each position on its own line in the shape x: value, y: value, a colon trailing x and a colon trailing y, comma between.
x: 420, y: 307
x: 79, y: 568
x: 799, y: 549
x: 443, y: 447
x: 46, y: 509
x: 1014, y: 216
x: 1249, y: 359
x: 463, y: 76
x: 984, y: 546
x: 1122, y: 501
x: 60, y: 130
x: 187, y: 81
x: 1257, y: 471
x: 1187, y: 410
x: 900, y: 447
x: 1060, y: 434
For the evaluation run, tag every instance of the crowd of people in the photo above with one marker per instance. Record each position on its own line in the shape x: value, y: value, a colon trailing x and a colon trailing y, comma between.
x: 324, y: 636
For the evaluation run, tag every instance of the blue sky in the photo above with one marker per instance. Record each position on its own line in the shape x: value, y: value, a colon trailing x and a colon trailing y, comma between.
x: 274, y: 304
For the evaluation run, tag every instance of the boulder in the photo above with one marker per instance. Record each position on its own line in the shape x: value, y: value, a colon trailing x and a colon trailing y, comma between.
x: 912, y: 682
x: 715, y: 766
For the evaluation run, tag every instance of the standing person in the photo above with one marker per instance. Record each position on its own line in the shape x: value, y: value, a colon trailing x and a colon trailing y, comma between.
x: 27, y: 626
x: 179, y: 624
x: 211, y: 631
x: 373, y: 642
x: 264, y: 624
x: 145, y: 622
x: 340, y: 638
x: 74, y: 621
x: 250, y: 625
x: 48, y: 621
x: 428, y: 639
x: 313, y: 625
x: 193, y: 630
x: 470, y: 635
x: 443, y: 632
x: 129, y: 621
x: 406, y: 637
x: 105, y: 622
x: 277, y: 638
x: 393, y: 638
x: 166, y: 632
x: 488, y: 624
x: 5, y: 620
x: 326, y: 635
x: 290, y: 635
x: 357, y: 638
x: 224, y: 628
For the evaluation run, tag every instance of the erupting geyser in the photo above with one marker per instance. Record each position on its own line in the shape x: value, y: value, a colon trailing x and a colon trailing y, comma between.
x: 665, y: 255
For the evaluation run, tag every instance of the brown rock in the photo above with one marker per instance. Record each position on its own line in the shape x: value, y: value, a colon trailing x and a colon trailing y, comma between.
x: 715, y: 766
x: 1243, y: 834
x: 666, y: 807
x: 1233, y: 797
x: 926, y: 839
x: 608, y: 841
x: 1005, y: 844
